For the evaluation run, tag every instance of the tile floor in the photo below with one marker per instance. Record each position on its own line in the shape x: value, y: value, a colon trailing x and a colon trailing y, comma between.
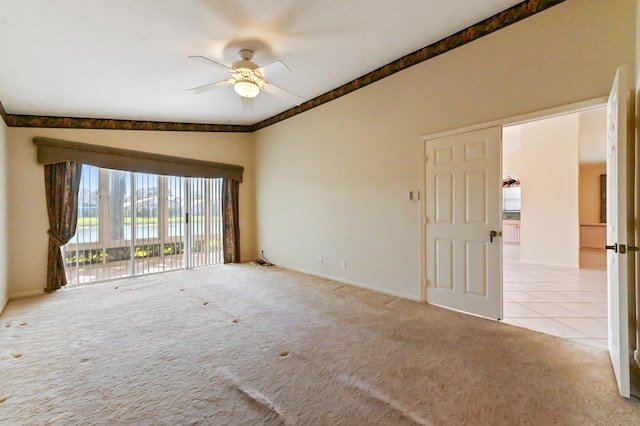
x: 565, y: 302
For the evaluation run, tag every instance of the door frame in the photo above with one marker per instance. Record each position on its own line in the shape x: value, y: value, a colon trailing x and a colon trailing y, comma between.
x: 507, y: 121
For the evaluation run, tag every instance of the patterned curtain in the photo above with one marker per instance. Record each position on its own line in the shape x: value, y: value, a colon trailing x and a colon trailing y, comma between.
x: 62, y: 183
x: 231, y: 228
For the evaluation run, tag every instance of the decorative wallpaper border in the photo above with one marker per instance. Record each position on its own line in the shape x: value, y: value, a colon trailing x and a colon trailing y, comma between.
x: 4, y: 115
x: 13, y: 120
x: 500, y: 20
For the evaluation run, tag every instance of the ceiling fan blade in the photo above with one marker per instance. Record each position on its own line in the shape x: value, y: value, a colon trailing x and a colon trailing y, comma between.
x: 282, y: 93
x: 275, y: 67
x: 208, y: 61
x: 247, y: 104
x: 210, y: 86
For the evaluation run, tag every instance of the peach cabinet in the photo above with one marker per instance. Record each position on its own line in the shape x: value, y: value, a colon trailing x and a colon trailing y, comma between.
x: 593, y: 236
x: 511, y: 231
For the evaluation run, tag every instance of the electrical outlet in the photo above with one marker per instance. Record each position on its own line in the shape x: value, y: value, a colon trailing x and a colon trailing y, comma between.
x: 343, y: 264
x: 319, y: 260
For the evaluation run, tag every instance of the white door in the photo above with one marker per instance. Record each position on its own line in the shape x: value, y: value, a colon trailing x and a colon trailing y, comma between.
x: 618, y: 240
x: 463, y: 205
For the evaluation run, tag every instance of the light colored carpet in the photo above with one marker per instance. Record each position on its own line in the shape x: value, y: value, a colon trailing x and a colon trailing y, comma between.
x: 244, y: 344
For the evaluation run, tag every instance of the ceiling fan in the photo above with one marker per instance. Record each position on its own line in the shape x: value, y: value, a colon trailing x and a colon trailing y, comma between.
x: 247, y: 78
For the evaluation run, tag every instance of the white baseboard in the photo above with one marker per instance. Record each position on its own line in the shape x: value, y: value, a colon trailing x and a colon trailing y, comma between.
x: 561, y: 265
x: 3, y: 304
x: 23, y: 294
x: 355, y: 283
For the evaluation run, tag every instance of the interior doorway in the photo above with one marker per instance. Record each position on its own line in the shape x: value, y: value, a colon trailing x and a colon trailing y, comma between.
x: 554, y: 262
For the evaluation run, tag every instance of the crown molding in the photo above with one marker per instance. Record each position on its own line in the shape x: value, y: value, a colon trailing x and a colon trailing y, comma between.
x: 496, y: 22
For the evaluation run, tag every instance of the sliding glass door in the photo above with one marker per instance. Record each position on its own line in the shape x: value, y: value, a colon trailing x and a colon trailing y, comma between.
x: 132, y: 224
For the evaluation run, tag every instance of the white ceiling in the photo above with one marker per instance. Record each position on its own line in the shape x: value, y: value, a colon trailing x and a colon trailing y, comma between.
x: 128, y: 59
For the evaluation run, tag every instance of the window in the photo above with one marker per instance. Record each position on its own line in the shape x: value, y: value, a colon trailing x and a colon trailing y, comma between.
x: 132, y: 224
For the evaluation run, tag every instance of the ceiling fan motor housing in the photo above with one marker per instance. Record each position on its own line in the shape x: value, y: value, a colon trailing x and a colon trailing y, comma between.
x: 245, y: 62
x: 249, y: 82
x: 248, y: 74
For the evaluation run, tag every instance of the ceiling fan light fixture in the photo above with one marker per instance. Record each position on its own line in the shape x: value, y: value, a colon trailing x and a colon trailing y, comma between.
x: 246, y: 88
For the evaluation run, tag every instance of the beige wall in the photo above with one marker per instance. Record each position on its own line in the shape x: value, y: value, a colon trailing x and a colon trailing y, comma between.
x: 548, y: 171
x: 593, y: 162
x: 593, y: 136
x: 27, y: 205
x: 590, y: 192
x: 4, y: 239
x: 334, y: 181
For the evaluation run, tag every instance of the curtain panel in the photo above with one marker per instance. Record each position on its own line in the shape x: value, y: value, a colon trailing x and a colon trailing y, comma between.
x: 231, y: 226
x: 62, y: 183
